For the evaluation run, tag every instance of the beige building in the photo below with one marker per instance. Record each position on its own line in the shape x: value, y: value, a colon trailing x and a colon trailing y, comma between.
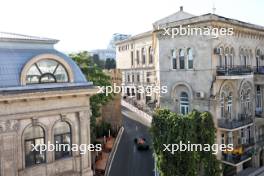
x: 44, y: 99
x: 222, y: 74
x: 135, y: 57
x: 111, y: 111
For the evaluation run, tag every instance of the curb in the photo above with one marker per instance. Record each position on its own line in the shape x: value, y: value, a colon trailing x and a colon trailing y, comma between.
x: 113, y: 152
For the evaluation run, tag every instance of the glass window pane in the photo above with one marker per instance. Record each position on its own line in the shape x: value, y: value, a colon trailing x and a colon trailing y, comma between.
x: 61, y: 128
x: 33, y: 132
x: 47, y: 78
x: 61, y: 74
x: 47, y: 66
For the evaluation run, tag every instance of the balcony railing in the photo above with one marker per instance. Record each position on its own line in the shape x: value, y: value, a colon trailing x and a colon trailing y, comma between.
x: 235, y: 159
x: 233, y: 70
x: 258, y: 70
x: 242, y: 120
x: 247, y: 143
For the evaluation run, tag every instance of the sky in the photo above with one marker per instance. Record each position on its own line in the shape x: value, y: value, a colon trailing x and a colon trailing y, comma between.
x: 89, y: 24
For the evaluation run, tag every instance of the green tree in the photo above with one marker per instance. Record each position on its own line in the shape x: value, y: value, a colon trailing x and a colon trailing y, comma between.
x: 195, y: 128
x: 110, y: 63
x: 95, y: 74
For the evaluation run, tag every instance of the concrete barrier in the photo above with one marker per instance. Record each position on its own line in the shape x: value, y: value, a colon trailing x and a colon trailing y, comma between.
x: 113, y: 151
x: 137, y: 111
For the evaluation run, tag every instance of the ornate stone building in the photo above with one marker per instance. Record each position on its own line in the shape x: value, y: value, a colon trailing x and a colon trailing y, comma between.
x: 135, y: 57
x: 44, y: 98
x: 222, y: 74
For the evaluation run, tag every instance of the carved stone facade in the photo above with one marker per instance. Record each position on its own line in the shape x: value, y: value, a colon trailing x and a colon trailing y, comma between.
x: 223, y: 75
x: 57, y: 111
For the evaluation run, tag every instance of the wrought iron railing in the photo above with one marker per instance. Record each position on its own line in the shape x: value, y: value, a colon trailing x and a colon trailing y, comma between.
x: 233, y: 70
x: 231, y: 123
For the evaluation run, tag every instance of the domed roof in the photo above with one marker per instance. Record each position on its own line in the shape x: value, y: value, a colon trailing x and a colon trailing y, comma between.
x: 13, y: 60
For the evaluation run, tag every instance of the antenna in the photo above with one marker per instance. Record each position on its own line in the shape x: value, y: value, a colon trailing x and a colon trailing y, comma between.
x: 214, y: 9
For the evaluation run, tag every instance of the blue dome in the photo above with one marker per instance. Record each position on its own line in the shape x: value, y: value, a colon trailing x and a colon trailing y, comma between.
x: 12, y: 61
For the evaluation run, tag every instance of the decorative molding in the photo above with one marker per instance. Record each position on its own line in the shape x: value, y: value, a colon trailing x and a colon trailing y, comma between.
x: 9, y: 126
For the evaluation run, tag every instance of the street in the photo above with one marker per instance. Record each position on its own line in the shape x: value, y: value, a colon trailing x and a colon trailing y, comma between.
x: 128, y: 161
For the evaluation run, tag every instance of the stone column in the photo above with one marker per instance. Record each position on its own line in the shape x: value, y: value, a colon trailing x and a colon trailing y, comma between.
x: 84, y: 132
x: 8, y: 148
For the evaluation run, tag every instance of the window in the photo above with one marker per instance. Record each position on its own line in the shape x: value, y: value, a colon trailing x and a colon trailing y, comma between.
x: 184, y: 103
x: 138, y: 78
x: 46, y: 71
x: 143, y: 55
x: 222, y: 105
x: 137, y: 53
x: 190, y: 58
x: 62, y: 137
x: 258, y: 100
x: 34, y: 136
x: 229, y: 105
x: 132, y: 58
x: 138, y: 96
x: 128, y: 78
x: 181, y: 58
x: 174, y: 60
x: 133, y: 78
x: 148, y: 77
x: 150, y: 55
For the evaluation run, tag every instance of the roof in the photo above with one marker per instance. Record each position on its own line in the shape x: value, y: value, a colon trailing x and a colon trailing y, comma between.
x: 13, y: 60
x: 134, y: 37
x: 180, y: 15
x: 6, y: 36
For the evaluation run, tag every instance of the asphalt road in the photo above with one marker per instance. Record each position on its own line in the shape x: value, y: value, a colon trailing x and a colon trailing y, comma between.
x: 128, y: 161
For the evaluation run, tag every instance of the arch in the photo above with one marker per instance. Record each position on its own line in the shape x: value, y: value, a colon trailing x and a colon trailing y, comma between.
x: 184, y: 84
x: 62, y: 134
x: 33, y: 135
x: 41, y: 57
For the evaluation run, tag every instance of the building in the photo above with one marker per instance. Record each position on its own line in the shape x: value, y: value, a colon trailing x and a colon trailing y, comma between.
x: 111, y: 111
x: 135, y: 57
x: 222, y: 74
x: 110, y: 51
x: 44, y: 99
x: 104, y: 54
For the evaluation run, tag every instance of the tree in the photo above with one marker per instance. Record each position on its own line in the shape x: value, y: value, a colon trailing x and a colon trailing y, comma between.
x: 110, y: 63
x: 195, y: 128
x: 95, y: 74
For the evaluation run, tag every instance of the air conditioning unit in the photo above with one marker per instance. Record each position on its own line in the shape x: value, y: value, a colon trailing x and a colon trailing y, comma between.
x: 200, y: 94
x: 217, y: 51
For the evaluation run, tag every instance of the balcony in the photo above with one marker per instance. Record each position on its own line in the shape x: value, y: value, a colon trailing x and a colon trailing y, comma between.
x: 233, y: 70
x: 235, y: 159
x: 228, y: 123
x: 259, y: 70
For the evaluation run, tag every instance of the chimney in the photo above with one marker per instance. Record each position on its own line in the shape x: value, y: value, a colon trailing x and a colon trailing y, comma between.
x: 181, y: 8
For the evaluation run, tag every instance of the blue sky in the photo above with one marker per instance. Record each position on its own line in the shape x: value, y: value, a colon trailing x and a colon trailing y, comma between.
x: 89, y: 24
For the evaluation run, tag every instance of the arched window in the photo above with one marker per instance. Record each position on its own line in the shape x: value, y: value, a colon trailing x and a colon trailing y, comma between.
x: 258, y: 100
x: 245, y: 99
x: 231, y: 57
x: 137, y: 54
x: 173, y: 58
x: 46, y: 71
x: 184, y: 103
x: 190, y: 58
x: 62, y: 138
x: 226, y: 102
x: 222, y: 105
x: 258, y: 58
x: 221, y: 63
x: 34, y: 136
x: 181, y: 58
x: 150, y: 55
x: 143, y: 55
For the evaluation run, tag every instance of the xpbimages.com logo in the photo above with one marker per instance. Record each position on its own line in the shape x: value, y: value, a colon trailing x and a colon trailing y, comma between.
x: 205, y: 31
x: 132, y: 90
